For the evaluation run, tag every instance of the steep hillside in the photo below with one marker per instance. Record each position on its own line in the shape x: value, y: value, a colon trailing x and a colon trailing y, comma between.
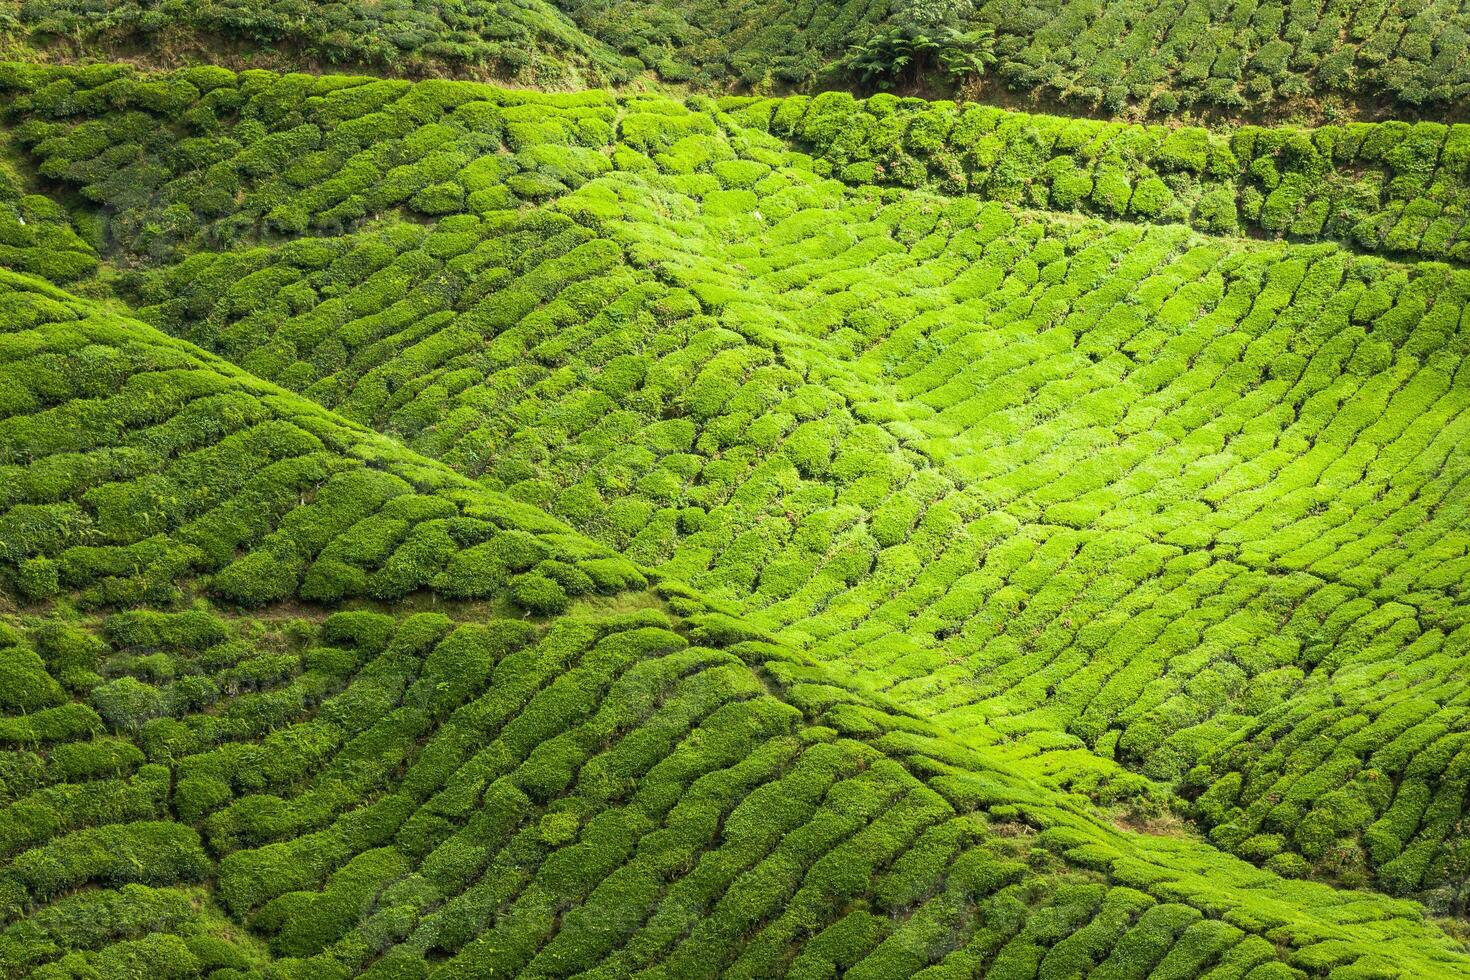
x: 633, y: 782
x: 466, y: 532
x: 530, y: 41
x: 1351, y: 59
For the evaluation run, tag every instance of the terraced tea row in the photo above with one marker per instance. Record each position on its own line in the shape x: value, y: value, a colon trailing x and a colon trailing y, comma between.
x: 204, y: 159
x: 535, y: 43
x: 1161, y: 58
x: 131, y: 461
x: 37, y: 235
x: 429, y: 797
x: 1388, y: 188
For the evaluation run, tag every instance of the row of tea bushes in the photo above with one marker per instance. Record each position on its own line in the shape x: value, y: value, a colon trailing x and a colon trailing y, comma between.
x: 205, y: 159
x: 752, y: 44
x: 530, y: 40
x: 133, y: 461
x: 1391, y: 188
x: 1187, y: 54
x: 595, y: 796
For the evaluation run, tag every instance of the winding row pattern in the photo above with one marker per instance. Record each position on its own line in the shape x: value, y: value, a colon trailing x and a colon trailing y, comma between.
x: 1094, y: 494
x: 1010, y: 515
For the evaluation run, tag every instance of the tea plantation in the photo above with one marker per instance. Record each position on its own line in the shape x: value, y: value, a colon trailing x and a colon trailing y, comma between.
x: 1218, y: 60
x: 455, y: 531
x: 1192, y: 54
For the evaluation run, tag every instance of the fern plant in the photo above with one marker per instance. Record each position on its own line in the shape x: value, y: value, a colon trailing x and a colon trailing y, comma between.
x: 908, y: 51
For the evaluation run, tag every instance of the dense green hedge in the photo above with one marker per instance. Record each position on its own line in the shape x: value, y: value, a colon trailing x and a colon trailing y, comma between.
x: 527, y: 39
x: 457, y: 799
x: 1392, y: 188
x: 204, y: 159
x: 1186, y: 54
x: 38, y: 236
x: 133, y: 461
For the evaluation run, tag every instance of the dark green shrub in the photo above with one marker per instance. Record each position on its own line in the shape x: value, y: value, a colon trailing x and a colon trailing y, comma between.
x: 127, y: 703
x: 474, y: 573
x: 148, y: 852
x: 25, y: 686
x: 537, y: 594
x: 259, y: 578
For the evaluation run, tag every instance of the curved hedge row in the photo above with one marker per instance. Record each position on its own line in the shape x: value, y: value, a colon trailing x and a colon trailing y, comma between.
x: 754, y: 44
x: 1392, y: 187
x: 133, y: 461
x: 1163, y: 57
x: 594, y: 797
x: 206, y: 160
x: 529, y: 40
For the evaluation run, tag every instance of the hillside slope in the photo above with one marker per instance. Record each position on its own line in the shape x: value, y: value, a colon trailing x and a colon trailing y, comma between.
x: 598, y: 534
x: 1117, y: 494
x: 529, y: 41
x: 637, y: 782
x: 1347, y: 59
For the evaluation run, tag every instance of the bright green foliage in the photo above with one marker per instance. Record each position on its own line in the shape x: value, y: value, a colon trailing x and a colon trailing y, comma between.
x: 745, y: 561
x: 1382, y: 187
x: 131, y: 460
x: 207, y: 161
x: 595, y: 793
x: 235, y: 160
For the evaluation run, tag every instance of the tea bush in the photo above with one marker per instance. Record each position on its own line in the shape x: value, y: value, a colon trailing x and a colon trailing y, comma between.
x: 1159, y: 59
x: 1383, y: 187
